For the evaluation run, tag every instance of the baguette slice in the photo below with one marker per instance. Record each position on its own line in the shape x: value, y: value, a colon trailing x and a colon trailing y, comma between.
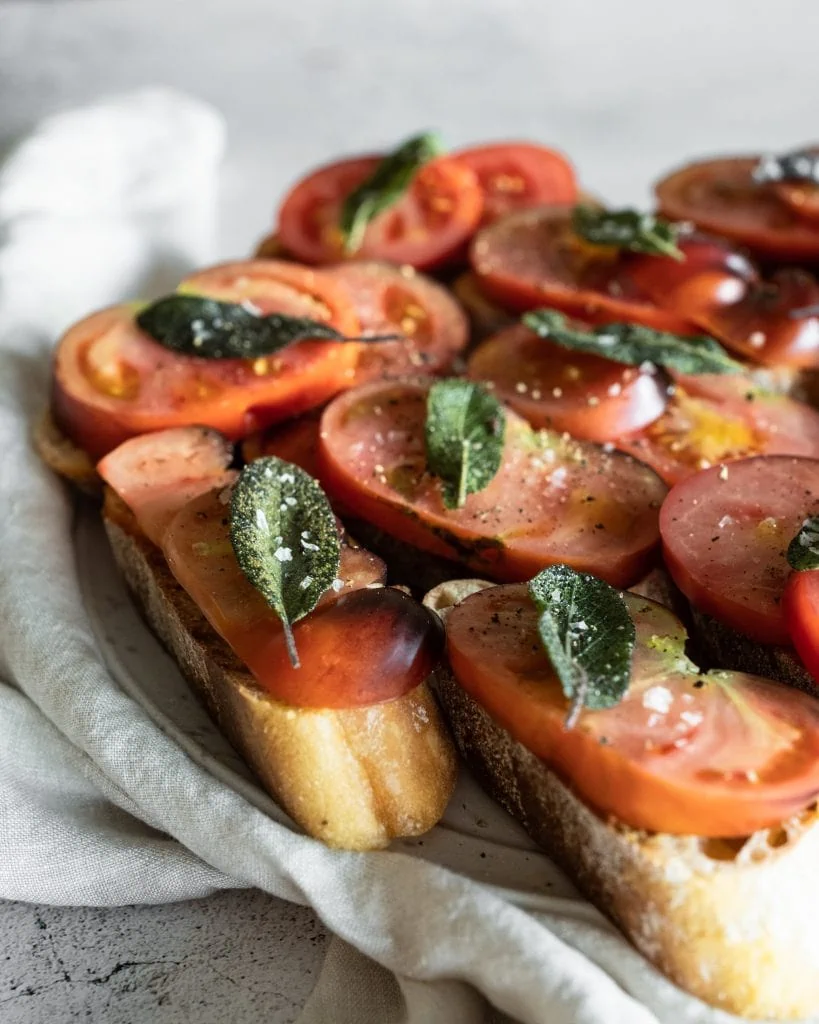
x: 355, y: 778
x: 60, y: 454
x: 735, y: 922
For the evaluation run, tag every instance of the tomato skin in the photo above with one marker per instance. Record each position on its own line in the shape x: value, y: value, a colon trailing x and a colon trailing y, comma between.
x: 402, y: 301
x: 552, y: 500
x: 532, y: 258
x: 593, y: 399
x: 725, y: 535
x: 713, y: 419
x: 800, y: 602
x: 518, y: 175
x: 430, y: 223
x: 720, y: 197
x: 717, y: 755
x: 112, y: 382
x: 367, y: 647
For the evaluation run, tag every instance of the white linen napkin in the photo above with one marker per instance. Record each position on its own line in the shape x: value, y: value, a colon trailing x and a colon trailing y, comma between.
x: 97, y: 804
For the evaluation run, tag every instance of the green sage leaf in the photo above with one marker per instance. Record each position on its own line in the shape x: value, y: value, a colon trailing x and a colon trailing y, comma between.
x: 464, y: 429
x: 385, y: 186
x: 798, y: 165
x: 628, y: 229
x: 285, y: 537
x: 194, y: 325
x: 634, y: 344
x: 587, y: 632
x: 803, y: 550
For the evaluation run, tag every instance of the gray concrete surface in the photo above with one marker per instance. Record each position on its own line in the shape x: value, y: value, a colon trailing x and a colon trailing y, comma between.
x: 628, y: 89
x: 236, y: 957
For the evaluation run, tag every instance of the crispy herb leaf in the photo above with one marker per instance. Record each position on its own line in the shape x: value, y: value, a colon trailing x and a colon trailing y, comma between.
x: 627, y: 229
x: 385, y: 186
x: 634, y: 344
x: 588, y: 634
x: 798, y: 165
x: 803, y: 550
x: 285, y: 537
x: 197, y: 326
x: 465, y: 428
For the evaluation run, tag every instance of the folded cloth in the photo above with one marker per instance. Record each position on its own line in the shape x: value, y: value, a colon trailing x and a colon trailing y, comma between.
x: 97, y: 804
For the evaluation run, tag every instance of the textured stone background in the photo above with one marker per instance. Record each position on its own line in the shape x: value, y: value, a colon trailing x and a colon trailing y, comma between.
x: 628, y: 89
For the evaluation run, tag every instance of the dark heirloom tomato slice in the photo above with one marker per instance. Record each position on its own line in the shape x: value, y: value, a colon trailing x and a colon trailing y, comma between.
x: 358, y: 647
x: 431, y: 221
x: 712, y: 275
x: 533, y: 258
x: 721, y: 196
x: 112, y: 381
x: 518, y: 175
x: 725, y: 537
x: 552, y: 387
x: 714, y: 419
x: 392, y: 301
x: 801, y: 605
x: 720, y: 291
x: 718, y: 754
x: 553, y: 499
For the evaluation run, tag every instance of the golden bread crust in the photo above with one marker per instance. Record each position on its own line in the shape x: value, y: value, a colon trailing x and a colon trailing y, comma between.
x: 355, y: 778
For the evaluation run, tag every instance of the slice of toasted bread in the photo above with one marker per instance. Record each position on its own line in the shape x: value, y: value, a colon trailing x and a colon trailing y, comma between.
x: 60, y: 453
x: 355, y: 778
x: 735, y: 922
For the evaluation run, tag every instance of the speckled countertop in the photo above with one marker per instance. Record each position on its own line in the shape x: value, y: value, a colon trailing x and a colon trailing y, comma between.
x: 238, y: 957
x: 627, y: 89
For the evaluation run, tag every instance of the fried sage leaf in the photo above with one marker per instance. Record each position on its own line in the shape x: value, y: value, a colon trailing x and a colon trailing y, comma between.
x: 285, y: 537
x: 464, y: 429
x: 634, y: 344
x: 803, y: 550
x: 194, y: 325
x: 798, y: 165
x: 385, y: 186
x: 628, y: 229
x: 587, y: 632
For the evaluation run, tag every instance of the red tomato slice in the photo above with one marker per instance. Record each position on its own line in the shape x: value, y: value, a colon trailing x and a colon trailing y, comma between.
x: 552, y: 500
x: 552, y: 387
x: 424, y: 228
x: 532, y: 258
x: 720, y: 196
x: 713, y: 419
x: 392, y: 301
x: 519, y: 175
x: 112, y: 382
x: 155, y: 474
x: 800, y: 602
x: 359, y: 647
x: 716, y: 754
x: 725, y: 536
